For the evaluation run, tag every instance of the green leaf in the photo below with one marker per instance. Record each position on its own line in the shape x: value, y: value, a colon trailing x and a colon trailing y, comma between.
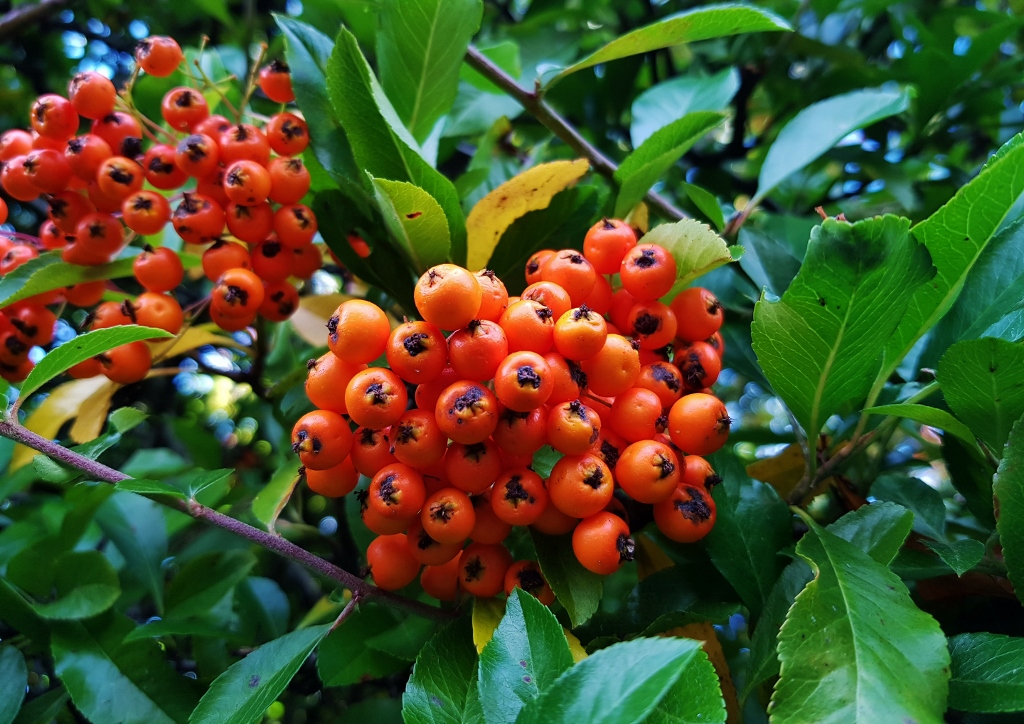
x: 195, y: 627
x: 986, y: 673
x: 420, y: 47
x: 307, y: 51
x: 44, y: 708
x: 380, y: 143
x: 695, y: 247
x: 931, y: 416
x: 524, y: 657
x: 640, y: 170
x: 124, y: 419
x: 561, y: 225
x: 695, y: 699
x: 820, y: 126
x: 205, y: 580
x: 663, y: 103
x: 406, y: 640
x: 771, y: 257
x: 416, y: 221
x: 706, y: 203
x: 752, y: 526
x: 264, y: 607
x: 270, y: 501
x: 138, y: 528
x: 110, y: 680
x: 242, y: 693
x: 820, y: 345
x: 992, y: 291
x: 87, y: 585
x: 704, y: 23
x: 82, y: 348
x: 344, y: 657
x: 878, y: 529
x: 199, y: 480
x: 961, y: 555
x: 1008, y: 493
x: 854, y: 646
x: 971, y: 475
x: 441, y: 688
x: 983, y: 383
x: 955, y: 236
x: 576, y: 588
x: 149, y: 487
x: 47, y: 272
x: 917, y: 496
x: 13, y: 681
x: 544, y: 460
x: 621, y: 683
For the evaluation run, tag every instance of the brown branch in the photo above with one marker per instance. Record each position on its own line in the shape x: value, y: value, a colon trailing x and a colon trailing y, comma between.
x: 828, y: 468
x: 554, y: 122
x: 361, y: 590
x: 14, y: 20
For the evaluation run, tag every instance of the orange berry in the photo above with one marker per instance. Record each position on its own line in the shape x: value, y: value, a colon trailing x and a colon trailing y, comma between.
x: 606, y: 243
x: 472, y: 468
x: 527, y: 576
x: 326, y: 375
x: 467, y: 412
x: 358, y: 331
x: 636, y: 414
x: 322, y: 439
x: 391, y: 563
x: 614, y: 369
x: 521, y: 433
x: 371, y: 451
x: 128, y: 363
x: 551, y: 295
x: 519, y: 496
x: 417, y: 352
x: 647, y: 471
x: 416, y: 440
x: 699, y: 424
x: 698, y: 473
x: 448, y: 296
x: 663, y: 379
x: 652, y: 323
x: 158, y: 55
x: 648, y: 271
x: 699, y: 313
x: 425, y: 549
x: 602, y: 543
x: 476, y: 351
x: 448, y: 516
x: 482, y: 569
x: 572, y: 428
x: 580, y: 333
x: 397, y: 492
x: 375, y: 398
x: 699, y: 365
x: 441, y: 582
x: 494, y: 296
x: 570, y: 270
x: 580, y: 485
x: 523, y: 381
x: 333, y: 482
x: 534, y: 264
x: 528, y: 325
x: 687, y: 515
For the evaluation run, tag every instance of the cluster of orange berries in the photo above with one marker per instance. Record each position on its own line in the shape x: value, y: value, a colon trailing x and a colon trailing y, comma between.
x: 515, y: 374
x: 240, y: 176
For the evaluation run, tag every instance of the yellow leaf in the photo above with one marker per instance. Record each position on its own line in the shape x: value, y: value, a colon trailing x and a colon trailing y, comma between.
x: 310, y: 319
x: 704, y: 631
x: 639, y: 217
x: 487, y: 613
x: 782, y: 471
x: 93, y: 414
x: 649, y: 557
x: 529, y: 191
x: 193, y: 338
x: 575, y: 647
x: 63, y: 403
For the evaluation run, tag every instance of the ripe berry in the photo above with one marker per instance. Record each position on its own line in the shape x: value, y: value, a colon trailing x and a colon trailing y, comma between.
x: 476, y: 351
x: 416, y: 352
x: 371, y: 451
x: 425, y: 549
x: 648, y: 471
x: 653, y: 324
x: 128, y: 363
x: 699, y: 365
x: 573, y: 428
x: 580, y: 333
x: 197, y: 155
x: 67, y: 208
x: 687, y: 515
x: 238, y: 293
x: 118, y: 177
x: 295, y: 225
x: 519, y: 496
x: 482, y: 569
x: 528, y: 325
x: 287, y: 134
x: 549, y: 294
x: 246, y: 183
x: 101, y: 234
x: 289, y: 180
x: 648, y: 271
x: 570, y: 270
x: 526, y: 575
x: 109, y: 314
x: 600, y: 298
x: 441, y: 582
x: 275, y: 81
x: 48, y: 170
x: 636, y: 415
x: 158, y: 55
x: 523, y: 381
x: 580, y: 485
x: 472, y: 468
x: 322, y: 439
x: 85, y: 294
x: 308, y: 260
x: 145, y: 212
x: 602, y: 543
x: 358, y: 331
x: 160, y: 168
x: 663, y: 379
x: 280, y: 300
x: 244, y: 142
x: 14, y: 143
x: 157, y: 310
x: 198, y: 219
x: 224, y: 255
x: 396, y: 492
x: 699, y: 424
x: 375, y: 398
x: 467, y: 412
x: 614, y: 369
x: 570, y: 380
x: 184, y: 108
x: 521, y: 433
x: 606, y: 243
x: 494, y: 296
x: 271, y: 261
x: 391, y: 563
x: 534, y: 264
x: 699, y: 312
x: 333, y: 482
x: 448, y: 516
x: 697, y: 472
x: 417, y: 441
x: 54, y: 117
x: 448, y: 296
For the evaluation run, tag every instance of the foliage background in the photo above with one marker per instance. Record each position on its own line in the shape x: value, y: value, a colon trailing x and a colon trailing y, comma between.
x: 963, y: 64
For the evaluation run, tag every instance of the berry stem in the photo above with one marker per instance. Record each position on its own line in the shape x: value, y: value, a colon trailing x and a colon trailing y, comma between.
x: 534, y: 102
x: 361, y: 590
x: 250, y: 85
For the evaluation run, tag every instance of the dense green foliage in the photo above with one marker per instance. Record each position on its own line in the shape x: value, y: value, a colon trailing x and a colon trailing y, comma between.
x: 870, y: 532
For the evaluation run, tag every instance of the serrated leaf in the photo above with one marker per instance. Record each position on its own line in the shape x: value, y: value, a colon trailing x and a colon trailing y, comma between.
x: 86, y: 583
x: 110, y: 680
x: 380, y: 143
x: 695, y: 699
x: 847, y: 634
x: 13, y: 682
x: 416, y: 221
x: 487, y: 614
x: 986, y: 673
x: 82, y: 348
x: 526, y: 654
x: 983, y: 383
x: 621, y: 683
x: 442, y: 687
x: 955, y: 236
x: 420, y: 48
x: 752, y: 526
x: 961, y: 555
x: 528, y: 191
x: 820, y: 126
x: 242, y: 693
x: 694, y: 246
x: 664, y: 102
x: 820, y: 345
x: 274, y: 496
x: 931, y: 416
x: 702, y: 23
x: 1008, y: 493
x: 706, y: 203
x: 344, y: 657
x: 205, y: 580
x: 640, y: 170
x: 576, y: 588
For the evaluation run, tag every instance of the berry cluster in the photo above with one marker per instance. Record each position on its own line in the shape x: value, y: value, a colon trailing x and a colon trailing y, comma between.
x: 120, y: 180
x: 515, y: 374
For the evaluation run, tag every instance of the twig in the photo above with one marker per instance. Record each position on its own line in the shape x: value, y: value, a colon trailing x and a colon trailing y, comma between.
x: 827, y: 468
x: 347, y: 611
x: 553, y: 121
x: 14, y: 20
x: 99, y: 471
